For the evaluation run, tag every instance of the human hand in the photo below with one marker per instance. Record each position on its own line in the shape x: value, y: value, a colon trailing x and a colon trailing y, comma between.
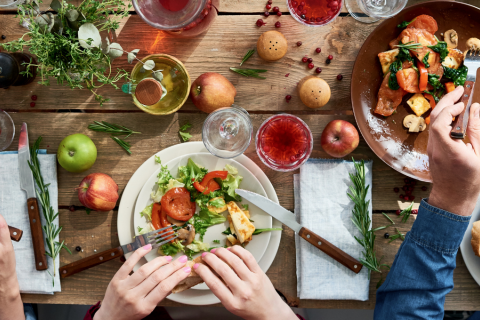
x: 134, y: 297
x: 246, y: 291
x: 11, y: 306
x: 454, y: 165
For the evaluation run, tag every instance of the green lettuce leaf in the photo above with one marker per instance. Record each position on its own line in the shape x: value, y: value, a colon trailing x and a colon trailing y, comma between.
x: 198, y: 246
x: 230, y: 184
x: 170, y: 249
x: 205, y: 219
x: 147, y: 212
x: 231, y: 169
x: 218, y: 203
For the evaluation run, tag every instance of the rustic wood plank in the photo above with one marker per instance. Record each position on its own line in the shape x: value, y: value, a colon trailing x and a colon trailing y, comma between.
x: 161, y: 132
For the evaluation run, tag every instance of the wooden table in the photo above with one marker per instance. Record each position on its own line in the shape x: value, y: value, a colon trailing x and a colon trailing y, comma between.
x: 60, y: 111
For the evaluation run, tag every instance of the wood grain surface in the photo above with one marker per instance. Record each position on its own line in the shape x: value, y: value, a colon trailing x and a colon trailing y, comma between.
x: 60, y: 111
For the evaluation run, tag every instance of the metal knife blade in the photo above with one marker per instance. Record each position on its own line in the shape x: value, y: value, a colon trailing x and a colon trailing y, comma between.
x: 27, y: 184
x: 26, y: 176
x: 288, y: 219
x: 275, y: 210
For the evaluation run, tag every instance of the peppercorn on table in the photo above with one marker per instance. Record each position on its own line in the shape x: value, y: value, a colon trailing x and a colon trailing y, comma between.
x: 59, y: 111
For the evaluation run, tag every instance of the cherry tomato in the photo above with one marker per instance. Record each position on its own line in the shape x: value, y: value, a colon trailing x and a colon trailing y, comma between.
x: 423, y: 77
x: 424, y: 22
x: 177, y: 205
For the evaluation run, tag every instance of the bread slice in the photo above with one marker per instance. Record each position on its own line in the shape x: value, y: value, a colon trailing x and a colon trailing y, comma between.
x: 476, y: 238
x: 242, y: 225
x: 193, y: 278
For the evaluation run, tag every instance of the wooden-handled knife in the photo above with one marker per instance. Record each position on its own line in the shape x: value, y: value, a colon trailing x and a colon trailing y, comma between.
x: 15, y: 234
x: 27, y: 184
x: 288, y: 219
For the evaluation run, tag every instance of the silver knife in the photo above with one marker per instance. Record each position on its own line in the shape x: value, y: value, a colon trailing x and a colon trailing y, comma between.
x: 27, y: 184
x: 288, y: 219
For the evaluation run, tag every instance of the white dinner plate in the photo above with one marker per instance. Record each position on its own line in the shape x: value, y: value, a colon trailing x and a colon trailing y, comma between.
x: 125, y: 220
x: 260, y: 219
x: 471, y: 260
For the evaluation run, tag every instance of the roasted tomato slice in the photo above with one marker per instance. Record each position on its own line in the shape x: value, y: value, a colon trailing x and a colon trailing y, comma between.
x: 388, y: 99
x: 425, y: 22
x: 156, y: 213
x: 176, y: 203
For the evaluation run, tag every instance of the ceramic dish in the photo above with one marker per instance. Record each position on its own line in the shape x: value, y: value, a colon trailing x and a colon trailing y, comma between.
x: 125, y: 224
x: 471, y: 260
x: 404, y: 152
x: 259, y: 243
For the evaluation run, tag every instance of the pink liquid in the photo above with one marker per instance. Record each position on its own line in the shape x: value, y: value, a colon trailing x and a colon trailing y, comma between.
x: 284, y: 142
x: 174, y: 5
x: 316, y: 12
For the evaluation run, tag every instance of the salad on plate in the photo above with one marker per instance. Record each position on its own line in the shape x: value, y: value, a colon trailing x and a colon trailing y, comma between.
x: 195, y: 200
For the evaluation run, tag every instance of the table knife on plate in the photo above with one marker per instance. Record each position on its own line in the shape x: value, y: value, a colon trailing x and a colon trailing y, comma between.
x: 472, y: 62
x: 27, y: 184
x: 15, y: 234
x: 288, y: 218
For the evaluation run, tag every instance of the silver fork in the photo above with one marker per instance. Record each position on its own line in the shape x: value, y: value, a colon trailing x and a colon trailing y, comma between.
x: 472, y: 62
x: 156, y: 238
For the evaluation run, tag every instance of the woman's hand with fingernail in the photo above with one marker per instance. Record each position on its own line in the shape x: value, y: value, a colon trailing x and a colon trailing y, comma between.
x: 243, y: 288
x: 133, y: 297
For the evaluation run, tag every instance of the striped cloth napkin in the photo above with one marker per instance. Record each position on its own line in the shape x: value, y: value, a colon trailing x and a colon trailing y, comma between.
x: 322, y: 205
x: 13, y: 207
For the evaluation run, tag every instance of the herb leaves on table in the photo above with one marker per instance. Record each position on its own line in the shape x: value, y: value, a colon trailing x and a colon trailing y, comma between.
x: 115, y: 130
x: 43, y: 195
x: 247, y: 56
x: 183, y: 132
x: 254, y: 73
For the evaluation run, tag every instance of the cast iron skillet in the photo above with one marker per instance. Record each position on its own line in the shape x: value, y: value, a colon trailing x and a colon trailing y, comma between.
x: 404, y: 152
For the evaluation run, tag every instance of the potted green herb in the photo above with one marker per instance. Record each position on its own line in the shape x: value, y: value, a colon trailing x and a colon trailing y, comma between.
x: 68, y: 45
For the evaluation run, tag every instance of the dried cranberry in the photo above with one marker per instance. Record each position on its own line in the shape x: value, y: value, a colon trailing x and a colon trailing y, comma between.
x: 406, y: 180
x: 318, y: 50
x: 300, y: 8
x: 333, y: 4
x: 330, y: 57
x: 319, y: 19
x: 302, y: 3
x: 396, y: 190
x: 424, y: 188
x: 268, y: 6
x: 408, y: 192
x: 304, y: 11
x: 34, y: 97
x: 312, y: 19
x: 32, y: 104
x: 309, y: 60
x: 415, y: 211
x: 413, y: 182
x: 270, y: 1
x: 288, y: 97
x: 405, y: 188
x: 266, y: 13
x: 401, y: 196
x: 386, y: 235
x: 398, y: 212
x: 311, y: 65
x: 299, y: 43
x: 71, y: 208
x: 78, y: 248
x: 330, y: 13
x: 318, y: 70
x: 412, y: 198
x: 279, y: 14
x: 339, y: 77
x: 276, y: 9
x: 304, y: 59
x: 328, y: 61
x: 406, y: 198
x: 260, y: 23
x: 278, y: 24
x: 294, y: 3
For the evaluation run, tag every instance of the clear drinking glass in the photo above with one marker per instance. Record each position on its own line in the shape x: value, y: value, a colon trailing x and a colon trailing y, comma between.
x: 183, y: 18
x: 9, y: 3
x: 227, y: 132
x: 7, y: 130
x: 369, y: 11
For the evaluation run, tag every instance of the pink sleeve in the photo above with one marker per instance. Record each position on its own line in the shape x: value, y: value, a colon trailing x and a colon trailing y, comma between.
x: 91, y: 312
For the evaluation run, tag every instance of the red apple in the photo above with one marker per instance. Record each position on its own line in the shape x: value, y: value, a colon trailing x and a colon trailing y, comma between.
x: 98, y: 192
x: 339, y: 138
x: 212, y: 91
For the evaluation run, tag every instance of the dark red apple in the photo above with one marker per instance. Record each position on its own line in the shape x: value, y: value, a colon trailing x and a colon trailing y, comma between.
x: 212, y: 91
x: 339, y: 138
x: 98, y: 192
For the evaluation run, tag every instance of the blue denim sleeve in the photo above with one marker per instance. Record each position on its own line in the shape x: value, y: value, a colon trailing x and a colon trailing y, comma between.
x: 422, y: 273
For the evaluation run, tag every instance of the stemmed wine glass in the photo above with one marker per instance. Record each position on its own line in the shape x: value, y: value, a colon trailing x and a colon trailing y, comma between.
x: 227, y: 132
x: 369, y: 11
x: 7, y: 130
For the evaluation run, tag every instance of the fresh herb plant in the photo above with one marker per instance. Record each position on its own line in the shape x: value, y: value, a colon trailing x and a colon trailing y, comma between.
x: 405, y: 214
x: 458, y: 76
x: 183, y: 132
x: 425, y: 60
x: 396, y: 236
x: 115, y: 130
x: 43, y: 195
x: 254, y: 73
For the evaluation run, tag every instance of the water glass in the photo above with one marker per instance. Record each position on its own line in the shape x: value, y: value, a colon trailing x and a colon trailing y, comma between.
x: 369, y: 11
x: 7, y: 130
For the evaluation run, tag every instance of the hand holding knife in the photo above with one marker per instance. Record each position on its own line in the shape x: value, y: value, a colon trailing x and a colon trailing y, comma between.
x: 27, y: 184
x: 288, y: 218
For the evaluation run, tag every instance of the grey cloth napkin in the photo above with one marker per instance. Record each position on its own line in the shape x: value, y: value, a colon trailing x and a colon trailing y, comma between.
x: 13, y: 207
x: 322, y: 205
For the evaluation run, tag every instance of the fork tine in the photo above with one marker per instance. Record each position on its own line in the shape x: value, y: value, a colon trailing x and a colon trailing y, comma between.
x: 162, y: 236
x: 167, y: 231
x: 149, y: 234
x: 156, y: 245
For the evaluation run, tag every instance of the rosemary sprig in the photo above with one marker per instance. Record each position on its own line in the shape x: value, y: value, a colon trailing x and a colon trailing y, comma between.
x: 405, y: 214
x: 115, y: 130
x: 247, y: 56
x: 43, y: 196
x: 410, y: 46
x: 361, y: 218
x: 254, y: 73
x: 112, y: 128
x: 122, y: 143
x: 397, y: 236
x: 389, y: 219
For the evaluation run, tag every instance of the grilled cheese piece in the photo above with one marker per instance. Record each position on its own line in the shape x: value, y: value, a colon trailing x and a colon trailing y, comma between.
x: 454, y: 59
x: 386, y: 59
x: 242, y: 226
x: 419, y: 104
x: 233, y: 241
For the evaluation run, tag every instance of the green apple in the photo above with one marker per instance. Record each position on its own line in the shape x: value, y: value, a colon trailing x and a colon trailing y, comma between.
x: 77, y: 153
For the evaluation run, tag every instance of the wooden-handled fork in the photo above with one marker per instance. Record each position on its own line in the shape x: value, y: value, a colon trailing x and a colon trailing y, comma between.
x: 156, y: 238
